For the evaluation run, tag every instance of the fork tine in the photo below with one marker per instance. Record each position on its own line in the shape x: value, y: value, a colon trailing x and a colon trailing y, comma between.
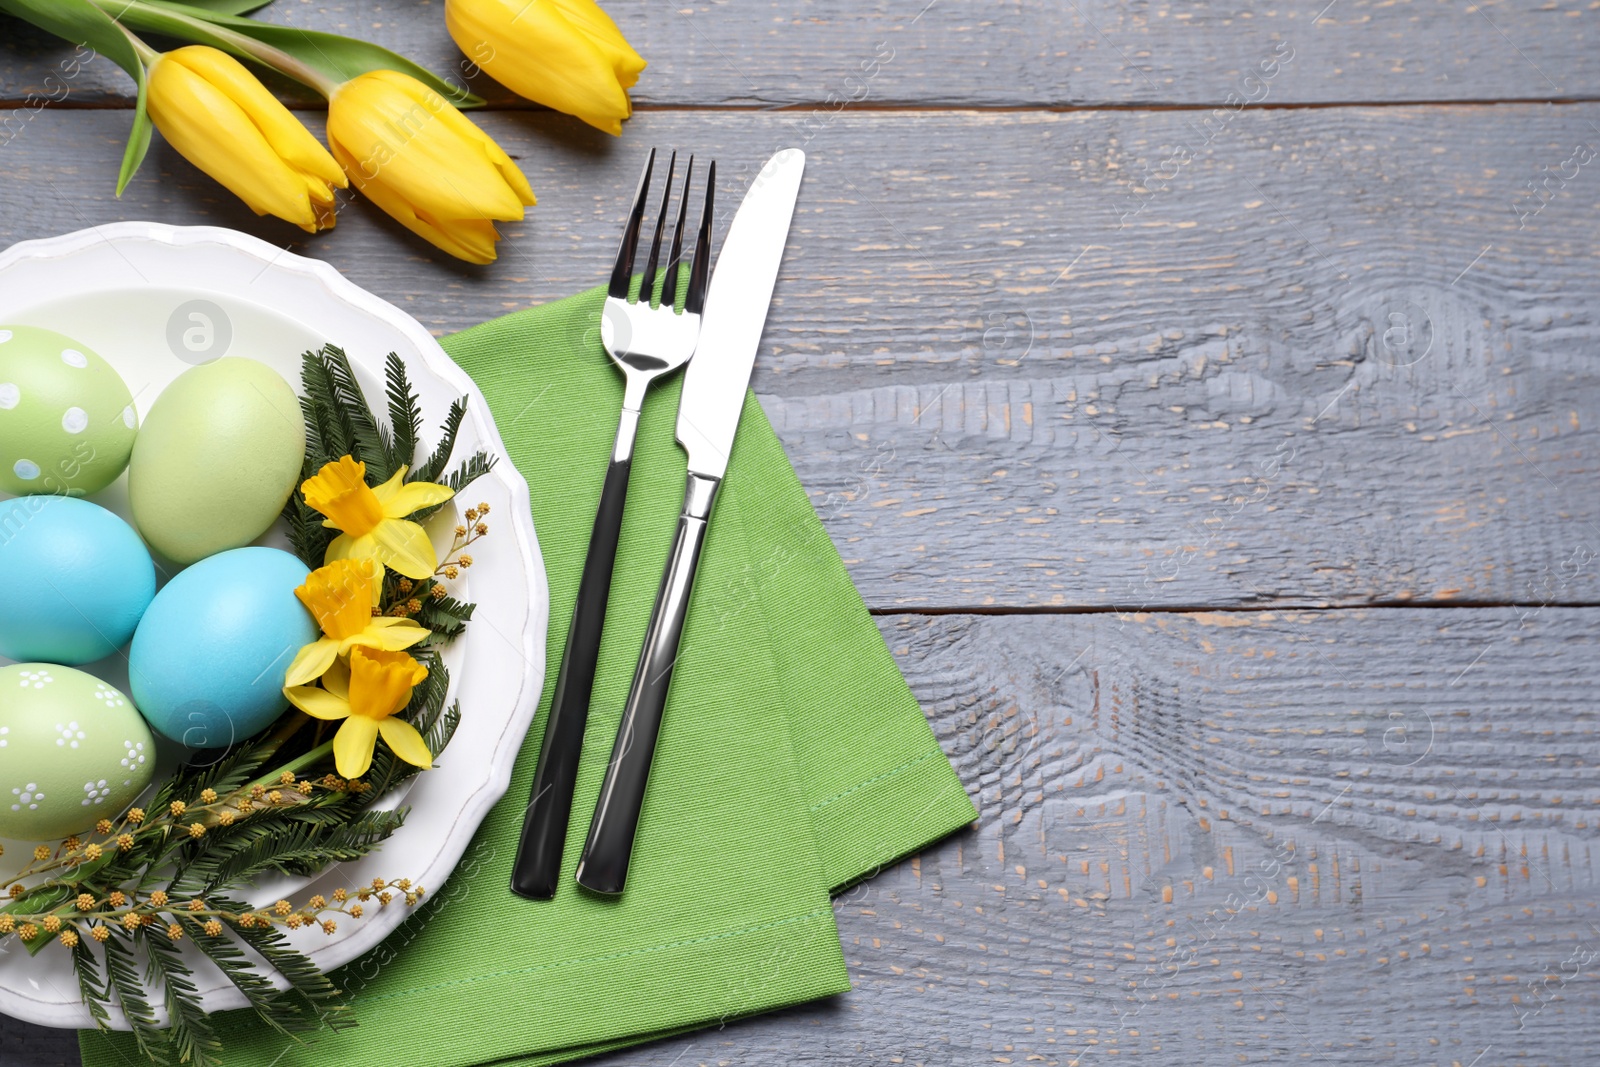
x: 622, y: 273
x: 669, y: 288
x: 648, y: 290
x: 694, y: 300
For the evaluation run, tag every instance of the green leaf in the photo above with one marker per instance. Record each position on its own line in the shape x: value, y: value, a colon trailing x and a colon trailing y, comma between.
x: 336, y: 58
x: 367, y: 441
x: 434, y: 467
x: 94, y: 992
x: 302, y: 975
x: 85, y: 25
x: 229, y: 7
x: 123, y: 975
x: 405, y: 416
x: 444, y: 615
x: 138, y: 135
x: 189, y: 1028
x: 283, y: 1011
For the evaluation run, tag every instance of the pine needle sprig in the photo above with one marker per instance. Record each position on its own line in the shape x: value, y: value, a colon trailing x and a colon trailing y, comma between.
x: 340, y: 422
x: 433, y: 466
x: 123, y: 899
x: 141, y: 884
x: 307, y: 984
x: 405, y: 415
x: 123, y: 974
x: 189, y: 1031
x: 285, y: 1014
x: 95, y: 992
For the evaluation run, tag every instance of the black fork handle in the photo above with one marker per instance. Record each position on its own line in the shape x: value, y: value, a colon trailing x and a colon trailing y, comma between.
x: 537, y: 868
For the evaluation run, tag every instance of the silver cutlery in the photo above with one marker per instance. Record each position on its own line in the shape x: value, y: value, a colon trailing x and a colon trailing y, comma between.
x: 708, y: 418
x: 646, y: 341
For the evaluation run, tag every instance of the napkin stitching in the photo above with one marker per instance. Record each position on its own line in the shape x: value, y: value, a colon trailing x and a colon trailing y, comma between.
x: 875, y: 780
x: 758, y: 595
x: 579, y: 961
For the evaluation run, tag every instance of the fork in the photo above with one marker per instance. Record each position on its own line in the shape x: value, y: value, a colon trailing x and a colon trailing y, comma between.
x: 646, y: 341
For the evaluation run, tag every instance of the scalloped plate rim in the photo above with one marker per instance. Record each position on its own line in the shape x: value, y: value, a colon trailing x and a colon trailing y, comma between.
x: 367, y: 933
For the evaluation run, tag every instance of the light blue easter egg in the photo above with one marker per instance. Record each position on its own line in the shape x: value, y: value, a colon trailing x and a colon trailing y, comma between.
x: 77, y: 580
x: 207, y: 664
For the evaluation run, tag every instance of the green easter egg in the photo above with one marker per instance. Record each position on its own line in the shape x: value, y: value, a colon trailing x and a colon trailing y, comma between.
x: 67, y: 422
x: 218, y: 456
x: 73, y: 751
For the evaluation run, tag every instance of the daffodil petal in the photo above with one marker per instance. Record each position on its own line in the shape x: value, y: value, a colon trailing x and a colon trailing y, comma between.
x: 395, y: 480
x: 391, y: 634
x: 403, y: 500
x: 404, y: 547
x: 403, y: 739
x: 339, y: 547
x: 347, y: 547
x: 337, y: 680
x: 318, y: 703
x: 353, y: 744
x: 311, y: 662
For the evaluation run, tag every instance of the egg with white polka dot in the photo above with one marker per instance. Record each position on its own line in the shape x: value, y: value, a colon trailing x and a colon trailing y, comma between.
x: 67, y: 421
x: 73, y: 751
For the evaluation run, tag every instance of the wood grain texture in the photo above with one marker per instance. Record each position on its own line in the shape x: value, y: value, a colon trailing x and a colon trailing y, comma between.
x: 1218, y: 838
x: 1046, y: 362
x: 1328, y: 362
x: 1084, y: 53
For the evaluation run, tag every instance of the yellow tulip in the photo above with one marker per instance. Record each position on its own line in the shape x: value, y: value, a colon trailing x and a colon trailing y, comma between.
x: 423, y: 162
x: 341, y: 597
x: 366, y: 696
x: 372, y: 522
x: 565, y: 54
x: 224, y: 121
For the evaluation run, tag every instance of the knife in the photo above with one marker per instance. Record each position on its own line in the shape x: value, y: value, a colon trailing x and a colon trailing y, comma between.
x: 708, y: 418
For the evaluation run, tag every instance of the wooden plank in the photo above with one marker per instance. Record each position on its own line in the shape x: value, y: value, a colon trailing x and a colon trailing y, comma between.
x: 1348, y: 837
x: 1085, y: 53
x: 1322, y: 364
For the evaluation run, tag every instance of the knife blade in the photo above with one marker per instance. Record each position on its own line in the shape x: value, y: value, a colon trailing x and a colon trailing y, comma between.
x: 708, y: 420
x: 736, y: 312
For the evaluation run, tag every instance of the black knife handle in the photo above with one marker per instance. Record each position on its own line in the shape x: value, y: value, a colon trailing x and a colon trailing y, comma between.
x: 537, y: 867
x: 604, y: 865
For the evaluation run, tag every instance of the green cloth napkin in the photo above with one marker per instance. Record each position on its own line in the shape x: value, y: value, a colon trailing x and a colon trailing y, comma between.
x: 793, y: 760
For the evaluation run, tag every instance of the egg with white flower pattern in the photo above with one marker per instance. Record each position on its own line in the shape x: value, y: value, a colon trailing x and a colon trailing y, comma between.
x: 73, y: 751
x: 67, y: 422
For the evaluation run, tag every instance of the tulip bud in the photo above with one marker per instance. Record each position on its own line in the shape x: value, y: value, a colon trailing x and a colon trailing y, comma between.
x: 423, y: 162
x: 224, y: 121
x: 565, y: 54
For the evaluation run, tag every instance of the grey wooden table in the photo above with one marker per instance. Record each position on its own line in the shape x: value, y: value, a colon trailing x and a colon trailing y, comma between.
x: 1205, y: 399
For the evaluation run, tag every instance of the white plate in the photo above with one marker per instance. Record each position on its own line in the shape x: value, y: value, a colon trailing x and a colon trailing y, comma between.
x: 130, y: 292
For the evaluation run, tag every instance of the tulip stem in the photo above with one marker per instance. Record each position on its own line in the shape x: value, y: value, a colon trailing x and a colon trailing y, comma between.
x: 146, y: 54
x: 168, y: 20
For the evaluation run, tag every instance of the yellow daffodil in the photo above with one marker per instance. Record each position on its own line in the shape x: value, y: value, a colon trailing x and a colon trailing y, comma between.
x: 224, y: 121
x: 341, y: 597
x: 423, y: 162
x: 366, y: 696
x: 565, y: 54
x: 372, y: 522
